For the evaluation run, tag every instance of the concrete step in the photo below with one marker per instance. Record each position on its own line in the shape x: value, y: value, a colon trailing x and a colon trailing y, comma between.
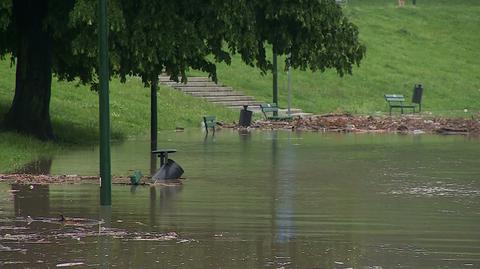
x: 204, y: 89
x: 189, y: 79
x: 215, y: 99
x: 215, y: 93
x: 192, y: 84
x: 238, y: 103
x: 254, y: 108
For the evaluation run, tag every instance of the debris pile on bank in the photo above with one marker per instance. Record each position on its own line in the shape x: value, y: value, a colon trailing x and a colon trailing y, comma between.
x: 49, y: 179
x: 33, y: 179
x: 350, y: 123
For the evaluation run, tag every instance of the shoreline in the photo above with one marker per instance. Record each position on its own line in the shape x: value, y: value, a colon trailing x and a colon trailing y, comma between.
x: 348, y: 123
x: 45, y: 179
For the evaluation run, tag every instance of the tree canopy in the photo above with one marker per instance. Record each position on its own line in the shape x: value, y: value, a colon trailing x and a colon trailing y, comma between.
x: 150, y: 37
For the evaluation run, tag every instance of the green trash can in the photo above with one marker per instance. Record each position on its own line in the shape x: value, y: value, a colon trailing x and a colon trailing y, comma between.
x: 136, y: 177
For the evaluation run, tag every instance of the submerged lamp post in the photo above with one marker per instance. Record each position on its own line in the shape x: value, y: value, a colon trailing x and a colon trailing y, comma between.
x: 105, y: 169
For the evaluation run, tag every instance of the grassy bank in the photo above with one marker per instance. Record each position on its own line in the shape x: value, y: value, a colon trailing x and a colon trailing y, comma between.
x: 435, y: 43
x: 74, y: 113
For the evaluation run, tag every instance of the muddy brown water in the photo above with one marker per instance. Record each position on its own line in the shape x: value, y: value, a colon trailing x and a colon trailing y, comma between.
x: 257, y: 200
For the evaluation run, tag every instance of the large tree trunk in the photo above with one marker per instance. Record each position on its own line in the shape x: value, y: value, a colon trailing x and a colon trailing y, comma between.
x: 30, y: 108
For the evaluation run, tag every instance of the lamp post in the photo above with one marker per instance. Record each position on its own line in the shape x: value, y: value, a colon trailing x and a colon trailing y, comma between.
x: 105, y: 168
x: 153, y: 114
x: 275, y: 81
x: 289, y: 77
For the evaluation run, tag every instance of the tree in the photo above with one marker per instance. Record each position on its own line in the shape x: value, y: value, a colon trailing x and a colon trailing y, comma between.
x: 149, y: 37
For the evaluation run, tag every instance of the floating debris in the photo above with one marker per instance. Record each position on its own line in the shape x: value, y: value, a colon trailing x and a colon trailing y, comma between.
x: 65, y: 221
x: 69, y: 264
x: 77, y: 229
x: 9, y: 249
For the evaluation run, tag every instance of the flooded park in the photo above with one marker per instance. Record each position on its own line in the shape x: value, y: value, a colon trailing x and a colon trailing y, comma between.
x: 259, y: 199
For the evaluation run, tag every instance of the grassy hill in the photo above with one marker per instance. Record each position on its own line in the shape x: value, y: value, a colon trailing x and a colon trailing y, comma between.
x: 436, y: 43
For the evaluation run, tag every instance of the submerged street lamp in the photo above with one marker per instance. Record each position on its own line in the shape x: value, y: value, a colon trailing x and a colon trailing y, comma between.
x: 105, y: 168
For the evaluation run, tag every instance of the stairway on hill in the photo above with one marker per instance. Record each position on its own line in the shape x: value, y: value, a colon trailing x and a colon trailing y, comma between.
x: 203, y: 87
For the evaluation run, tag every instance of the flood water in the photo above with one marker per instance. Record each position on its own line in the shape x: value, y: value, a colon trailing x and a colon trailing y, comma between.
x: 258, y: 200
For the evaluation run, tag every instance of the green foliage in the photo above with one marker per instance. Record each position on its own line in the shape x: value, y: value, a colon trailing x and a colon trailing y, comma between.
x: 150, y: 37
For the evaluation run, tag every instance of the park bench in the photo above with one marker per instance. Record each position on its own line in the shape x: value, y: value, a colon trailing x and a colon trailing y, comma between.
x: 273, y: 109
x: 210, y: 122
x: 398, y: 100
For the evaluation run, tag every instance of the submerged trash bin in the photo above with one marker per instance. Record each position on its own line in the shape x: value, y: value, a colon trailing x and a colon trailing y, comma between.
x: 245, y: 117
x: 170, y: 170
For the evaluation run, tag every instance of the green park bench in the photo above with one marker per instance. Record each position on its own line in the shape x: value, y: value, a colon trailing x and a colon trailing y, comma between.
x: 273, y: 109
x: 398, y: 100
x: 210, y: 122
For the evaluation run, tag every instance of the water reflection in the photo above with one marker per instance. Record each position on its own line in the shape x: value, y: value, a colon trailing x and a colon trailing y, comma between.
x: 104, y: 247
x: 285, y: 192
x: 31, y: 200
x: 165, y: 203
x: 272, y: 200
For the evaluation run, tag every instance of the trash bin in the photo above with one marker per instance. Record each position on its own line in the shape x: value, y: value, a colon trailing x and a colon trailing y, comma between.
x: 417, y: 95
x: 245, y: 117
x: 170, y: 170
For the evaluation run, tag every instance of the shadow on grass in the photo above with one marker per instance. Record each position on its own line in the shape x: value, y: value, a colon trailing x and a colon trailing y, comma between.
x: 4, y: 106
x: 71, y: 133
x: 68, y: 132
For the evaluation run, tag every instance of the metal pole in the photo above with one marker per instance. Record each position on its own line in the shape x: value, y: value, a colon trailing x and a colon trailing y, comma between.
x: 105, y: 169
x: 153, y: 114
x: 275, y: 81
x: 289, y: 76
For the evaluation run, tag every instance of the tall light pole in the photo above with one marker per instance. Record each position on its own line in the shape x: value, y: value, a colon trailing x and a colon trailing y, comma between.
x: 289, y: 86
x: 104, y: 111
x: 153, y: 114
x: 275, y: 81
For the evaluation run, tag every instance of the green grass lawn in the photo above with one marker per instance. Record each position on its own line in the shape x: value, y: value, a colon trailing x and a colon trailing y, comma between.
x: 436, y: 43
